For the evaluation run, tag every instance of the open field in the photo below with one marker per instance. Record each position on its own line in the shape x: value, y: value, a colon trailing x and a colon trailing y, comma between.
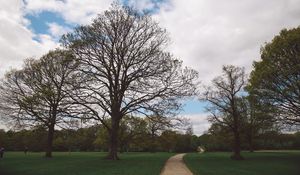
x: 257, y: 163
x: 85, y: 163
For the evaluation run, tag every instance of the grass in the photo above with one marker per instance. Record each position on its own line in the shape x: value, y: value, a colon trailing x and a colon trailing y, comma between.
x: 77, y: 163
x: 257, y: 163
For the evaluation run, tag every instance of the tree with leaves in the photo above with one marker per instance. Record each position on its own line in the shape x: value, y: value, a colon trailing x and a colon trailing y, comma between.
x: 37, y: 93
x: 124, y: 69
x: 276, y: 77
x: 131, y: 129
x: 155, y: 125
x: 258, y: 118
x: 225, y: 99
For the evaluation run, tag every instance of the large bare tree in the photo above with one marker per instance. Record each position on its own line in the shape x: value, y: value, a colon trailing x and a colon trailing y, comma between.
x: 126, y: 70
x: 226, y: 104
x: 36, y: 94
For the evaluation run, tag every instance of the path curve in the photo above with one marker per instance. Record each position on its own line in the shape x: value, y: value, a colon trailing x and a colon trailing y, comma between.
x: 176, y: 166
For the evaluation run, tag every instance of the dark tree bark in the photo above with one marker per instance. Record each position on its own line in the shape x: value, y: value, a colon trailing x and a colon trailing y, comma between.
x: 237, y: 147
x: 49, y: 141
x: 236, y: 128
x: 113, y: 139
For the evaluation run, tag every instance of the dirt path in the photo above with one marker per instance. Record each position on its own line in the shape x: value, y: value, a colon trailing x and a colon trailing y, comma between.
x: 176, y: 166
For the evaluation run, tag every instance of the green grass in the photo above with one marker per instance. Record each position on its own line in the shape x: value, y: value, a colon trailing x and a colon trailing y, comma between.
x: 82, y: 163
x: 257, y: 163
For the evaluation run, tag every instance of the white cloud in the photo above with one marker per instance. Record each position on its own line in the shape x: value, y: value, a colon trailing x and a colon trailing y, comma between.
x: 19, y: 42
x: 16, y: 40
x: 199, y: 122
x: 73, y: 11
x: 57, y: 30
x: 207, y: 34
x: 142, y: 4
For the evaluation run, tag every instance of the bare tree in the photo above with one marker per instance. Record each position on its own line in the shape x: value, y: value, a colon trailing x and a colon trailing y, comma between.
x: 36, y: 94
x: 225, y: 102
x: 125, y: 69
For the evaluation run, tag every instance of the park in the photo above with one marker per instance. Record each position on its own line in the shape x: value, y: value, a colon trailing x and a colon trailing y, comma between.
x: 111, y: 95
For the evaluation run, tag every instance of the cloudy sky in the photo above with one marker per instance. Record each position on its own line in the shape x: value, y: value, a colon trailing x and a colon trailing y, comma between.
x: 205, y: 34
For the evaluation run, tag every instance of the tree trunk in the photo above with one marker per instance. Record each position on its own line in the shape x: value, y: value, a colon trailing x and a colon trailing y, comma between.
x: 250, y: 140
x: 237, y: 147
x: 113, y: 140
x: 49, y: 141
x: 153, y: 145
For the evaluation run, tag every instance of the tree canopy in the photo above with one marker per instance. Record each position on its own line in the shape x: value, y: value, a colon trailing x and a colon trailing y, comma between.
x: 276, y: 77
x: 37, y: 93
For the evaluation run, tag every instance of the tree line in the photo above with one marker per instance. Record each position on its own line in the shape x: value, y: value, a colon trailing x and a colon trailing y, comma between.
x: 135, y: 134
x: 140, y: 139
x: 218, y: 138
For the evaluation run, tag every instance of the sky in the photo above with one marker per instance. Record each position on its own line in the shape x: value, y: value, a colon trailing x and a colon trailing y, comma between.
x: 205, y: 34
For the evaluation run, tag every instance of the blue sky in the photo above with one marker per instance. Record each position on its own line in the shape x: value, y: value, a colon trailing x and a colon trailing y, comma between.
x: 205, y: 34
x: 39, y: 21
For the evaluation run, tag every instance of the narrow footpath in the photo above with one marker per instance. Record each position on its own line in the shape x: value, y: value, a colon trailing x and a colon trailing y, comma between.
x: 176, y: 166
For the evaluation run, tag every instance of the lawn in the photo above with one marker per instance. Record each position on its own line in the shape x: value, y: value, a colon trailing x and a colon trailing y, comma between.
x: 77, y: 163
x: 257, y: 163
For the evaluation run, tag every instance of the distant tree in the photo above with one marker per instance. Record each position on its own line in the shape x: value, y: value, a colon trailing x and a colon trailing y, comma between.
x: 85, y: 138
x: 35, y: 139
x: 275, y: 78
x: 102, y: 139
x: 174, y: 141
x: 195, y: 143
x: 224, y: 97
x: 36, y: 94
x: 183, y: 143
x: 71, y: 141
x: 3, y: 140
x: 131, y: 129
x: 126, y: 70
x: 218, y: 138
x: 296, y: 143
x: 156, y: 124
x: 168, y: 140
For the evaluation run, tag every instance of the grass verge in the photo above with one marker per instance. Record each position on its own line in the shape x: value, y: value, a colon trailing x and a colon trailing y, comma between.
x: 257, y: 163
x: 82, y: 163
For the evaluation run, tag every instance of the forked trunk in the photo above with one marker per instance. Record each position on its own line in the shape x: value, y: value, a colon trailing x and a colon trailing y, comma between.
x: 49, y: 141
